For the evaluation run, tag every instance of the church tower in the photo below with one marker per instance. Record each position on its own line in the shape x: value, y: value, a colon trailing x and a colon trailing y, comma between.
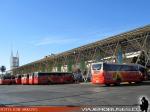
x: 14, y: 60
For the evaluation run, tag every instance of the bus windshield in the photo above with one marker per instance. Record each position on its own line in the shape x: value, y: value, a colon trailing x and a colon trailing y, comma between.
x: 96, y: 66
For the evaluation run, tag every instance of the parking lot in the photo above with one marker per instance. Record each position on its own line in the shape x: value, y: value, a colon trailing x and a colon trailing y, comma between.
x: 72, y: 94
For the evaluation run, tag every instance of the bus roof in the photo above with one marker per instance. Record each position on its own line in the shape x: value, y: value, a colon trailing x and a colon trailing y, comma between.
x: 133, y: 64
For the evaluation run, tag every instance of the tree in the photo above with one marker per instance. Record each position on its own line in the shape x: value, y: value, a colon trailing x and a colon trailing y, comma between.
x: 141, y: 59
x: 3, y: 69
x: 134, y: 59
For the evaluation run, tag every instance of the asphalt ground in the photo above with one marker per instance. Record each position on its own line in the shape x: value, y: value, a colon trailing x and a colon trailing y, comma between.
x: 73, y: 94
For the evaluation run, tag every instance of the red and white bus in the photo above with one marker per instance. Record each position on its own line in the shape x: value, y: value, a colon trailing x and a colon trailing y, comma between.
x: 110, y: 73
x: 53, y: 77
x: 13, y: 81
x: 25, y: 79
x: 40, y: 78
x: 61, y: 77
x: 5, y: 80
x: 31, y: 78
x: 68, y: 78
x: 18, y: 79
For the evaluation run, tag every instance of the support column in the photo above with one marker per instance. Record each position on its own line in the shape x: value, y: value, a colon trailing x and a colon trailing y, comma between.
x: 82, y: 65
x: 119, y: 55
x: 50, y: 67
x: 69, y: 65
x: 59, y: 67
x: 42, y: 67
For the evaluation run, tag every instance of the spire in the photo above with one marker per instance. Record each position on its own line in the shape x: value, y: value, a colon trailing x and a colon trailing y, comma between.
x: 11, y: 50
x: 11, y: 59
x: 11, y: 53
x: 17, y: 54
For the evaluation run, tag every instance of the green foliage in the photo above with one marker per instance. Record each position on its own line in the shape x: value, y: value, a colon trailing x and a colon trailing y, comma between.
x: 3, y: 69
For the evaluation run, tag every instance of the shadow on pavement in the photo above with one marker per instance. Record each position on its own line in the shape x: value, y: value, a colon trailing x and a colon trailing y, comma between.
x: 145, y: 83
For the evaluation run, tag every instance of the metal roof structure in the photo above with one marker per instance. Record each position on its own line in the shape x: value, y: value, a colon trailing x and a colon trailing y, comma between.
x: 131, y: 41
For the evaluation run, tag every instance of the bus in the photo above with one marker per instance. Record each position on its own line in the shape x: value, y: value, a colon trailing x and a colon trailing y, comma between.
x: 31, y: 78
x: 40, y: 78
x: 61, y: 77
x: 5, y: 80
x: 111, y: 73
x: 68, y: 78
x: 25, y: 79
x: 13, y: 81
x: 18, y: 79
x: 53, y: 77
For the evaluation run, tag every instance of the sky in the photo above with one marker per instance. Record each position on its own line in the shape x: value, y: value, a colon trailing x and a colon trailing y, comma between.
x: 37, y: 28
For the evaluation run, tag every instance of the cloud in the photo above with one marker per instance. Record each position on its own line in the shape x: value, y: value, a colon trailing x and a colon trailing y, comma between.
x: 56, y: 40
x: 79, y: 40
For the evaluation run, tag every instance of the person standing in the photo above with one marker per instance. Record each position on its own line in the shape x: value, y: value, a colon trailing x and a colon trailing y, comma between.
x: 144, y: 105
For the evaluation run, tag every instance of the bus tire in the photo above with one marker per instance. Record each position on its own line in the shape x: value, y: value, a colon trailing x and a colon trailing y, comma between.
x: 130, y: 82
x: 117, y: 83
x: 107, y: 84
x: 138, y: 82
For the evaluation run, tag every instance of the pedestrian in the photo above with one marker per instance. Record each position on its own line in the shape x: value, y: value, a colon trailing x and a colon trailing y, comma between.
x: 144, y: 105
x: 84, y: 75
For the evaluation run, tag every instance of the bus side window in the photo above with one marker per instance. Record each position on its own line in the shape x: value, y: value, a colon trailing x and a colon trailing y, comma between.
x: 142, y: 70
x: 124, y: 68
x: 111, y: 67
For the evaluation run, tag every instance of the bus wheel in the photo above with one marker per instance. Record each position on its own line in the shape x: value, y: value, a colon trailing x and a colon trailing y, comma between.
x: 138, y: 82
x: 49, y: 82
x: 107, y: 84
x: 130, y: 82
x: 117, y: 83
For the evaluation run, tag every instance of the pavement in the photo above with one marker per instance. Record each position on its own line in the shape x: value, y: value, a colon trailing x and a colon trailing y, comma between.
x: 73, y: 94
